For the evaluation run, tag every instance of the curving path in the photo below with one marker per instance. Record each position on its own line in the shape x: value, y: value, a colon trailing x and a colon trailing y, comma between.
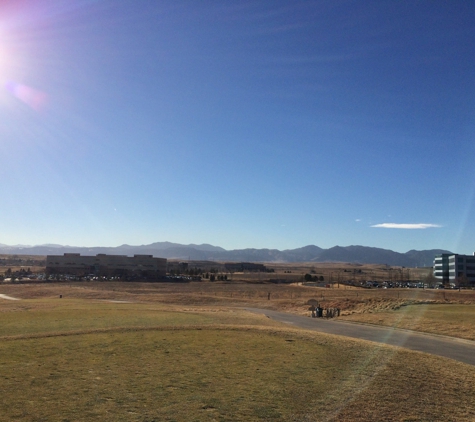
x: 449, y: 347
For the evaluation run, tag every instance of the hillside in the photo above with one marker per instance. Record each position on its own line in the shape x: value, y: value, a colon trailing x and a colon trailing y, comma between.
x: 310, y: 253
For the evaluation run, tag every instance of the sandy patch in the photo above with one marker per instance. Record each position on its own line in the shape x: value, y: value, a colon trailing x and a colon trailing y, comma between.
x: 8, y: 297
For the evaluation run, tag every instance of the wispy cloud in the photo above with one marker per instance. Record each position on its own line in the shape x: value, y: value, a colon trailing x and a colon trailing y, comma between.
x: 405, y: 226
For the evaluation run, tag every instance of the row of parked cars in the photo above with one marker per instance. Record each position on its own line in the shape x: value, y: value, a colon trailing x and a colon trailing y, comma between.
x: 406, y: 285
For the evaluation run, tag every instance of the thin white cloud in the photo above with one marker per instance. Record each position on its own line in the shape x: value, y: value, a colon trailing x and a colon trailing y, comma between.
x: 405, y: 226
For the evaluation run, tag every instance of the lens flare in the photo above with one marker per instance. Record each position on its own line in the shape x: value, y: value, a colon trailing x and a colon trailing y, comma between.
x: 32, y: 97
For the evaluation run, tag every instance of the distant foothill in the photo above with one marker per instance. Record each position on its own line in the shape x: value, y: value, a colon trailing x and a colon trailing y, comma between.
x: 310, y: 253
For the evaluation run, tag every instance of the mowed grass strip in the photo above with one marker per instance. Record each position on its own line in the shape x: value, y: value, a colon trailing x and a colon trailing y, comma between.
x: 167, y: 375
x: 33, y: 317
x: 226, y: 374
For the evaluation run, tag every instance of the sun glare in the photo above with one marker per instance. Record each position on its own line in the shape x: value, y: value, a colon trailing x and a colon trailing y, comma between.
x: 32, y: 97
x: 11, y: 66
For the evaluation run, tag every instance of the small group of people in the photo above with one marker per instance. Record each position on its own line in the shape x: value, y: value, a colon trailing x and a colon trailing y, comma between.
x: 318, y: 312
x: 332, y: 312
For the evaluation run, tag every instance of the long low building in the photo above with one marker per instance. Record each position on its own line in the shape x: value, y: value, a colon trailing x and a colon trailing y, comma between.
x: 244, y: 267
x: 107, y: 265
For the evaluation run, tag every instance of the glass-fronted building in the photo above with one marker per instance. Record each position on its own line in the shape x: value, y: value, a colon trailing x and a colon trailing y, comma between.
x: 453, y: 267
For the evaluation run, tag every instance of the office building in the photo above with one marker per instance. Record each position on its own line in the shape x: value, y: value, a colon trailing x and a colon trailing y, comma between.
x: 107, y: 265
x: 451, y: 268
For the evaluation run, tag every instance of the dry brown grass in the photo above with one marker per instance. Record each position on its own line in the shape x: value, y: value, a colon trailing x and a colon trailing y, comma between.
x: 413, y: 387
x: 188, y: 352
x: 88, y: 360
x: 448, y: 319
x: 448, y: 312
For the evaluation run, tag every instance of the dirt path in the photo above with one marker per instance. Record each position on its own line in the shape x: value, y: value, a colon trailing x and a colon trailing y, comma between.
x: 8, y: 297
x: 453, y: 348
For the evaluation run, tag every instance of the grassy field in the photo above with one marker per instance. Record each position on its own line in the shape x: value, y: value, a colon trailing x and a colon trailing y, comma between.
x: 152, y: 352
x: 448, y: 312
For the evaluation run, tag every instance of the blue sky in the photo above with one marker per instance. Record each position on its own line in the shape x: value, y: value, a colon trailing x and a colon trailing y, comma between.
x: 265, y: 124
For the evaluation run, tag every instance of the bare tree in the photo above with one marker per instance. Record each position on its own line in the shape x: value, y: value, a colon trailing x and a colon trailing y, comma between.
x: 431, y: 280
x: 462, y: 281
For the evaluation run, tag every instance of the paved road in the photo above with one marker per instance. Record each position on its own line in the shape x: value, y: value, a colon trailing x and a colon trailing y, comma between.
x: 457, y: 349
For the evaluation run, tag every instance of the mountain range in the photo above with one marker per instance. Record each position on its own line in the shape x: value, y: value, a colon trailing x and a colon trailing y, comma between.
x: 310, y: 253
